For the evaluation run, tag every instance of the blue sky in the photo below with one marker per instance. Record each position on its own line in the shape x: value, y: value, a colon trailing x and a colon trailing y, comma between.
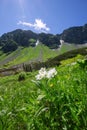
x: 50, y: 16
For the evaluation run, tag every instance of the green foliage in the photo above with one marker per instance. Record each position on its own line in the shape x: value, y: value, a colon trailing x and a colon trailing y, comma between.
x: 67, y: 47
x: 32, y: 42
x: 10, y: 46
x: 82, y: 63
x: 52, y: 41
x: 61, y: 101
x: 69, y: 54
x: 72, y: 60
x: 22, y: 76
x: 48, y: 104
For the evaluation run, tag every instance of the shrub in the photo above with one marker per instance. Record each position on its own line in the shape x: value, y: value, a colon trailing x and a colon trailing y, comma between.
x: 22, y: 76
x: 82, y: 63
x: 10, y: 46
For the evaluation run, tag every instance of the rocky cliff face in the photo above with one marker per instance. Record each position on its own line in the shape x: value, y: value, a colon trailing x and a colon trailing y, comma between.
x: 84, y: 36
x: 22, y: 38
x: 76, y: 35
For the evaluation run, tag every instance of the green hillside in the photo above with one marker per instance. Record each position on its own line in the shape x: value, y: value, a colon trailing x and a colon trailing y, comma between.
x: 67, y: 47
x: 27, y: 54
x: 35, y: 54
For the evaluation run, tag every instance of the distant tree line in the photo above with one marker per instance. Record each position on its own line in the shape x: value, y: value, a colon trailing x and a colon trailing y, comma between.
x: 9, y: 46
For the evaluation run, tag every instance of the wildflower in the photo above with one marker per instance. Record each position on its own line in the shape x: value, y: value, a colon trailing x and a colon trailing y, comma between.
x: 46, y: 74
x: 42, y: 74
x: 39, y: 76
x: 51, y: 73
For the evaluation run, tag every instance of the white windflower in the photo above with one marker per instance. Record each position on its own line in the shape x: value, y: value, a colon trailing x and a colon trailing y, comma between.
x: 42, y: 71
x: 51, y: 73
x: 42, y: 74
x: 38, y: 77
x: 46, y: 74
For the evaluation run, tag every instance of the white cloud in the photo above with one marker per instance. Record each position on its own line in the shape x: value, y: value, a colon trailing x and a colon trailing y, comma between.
x: 25, y: 24
x: 38, y: 25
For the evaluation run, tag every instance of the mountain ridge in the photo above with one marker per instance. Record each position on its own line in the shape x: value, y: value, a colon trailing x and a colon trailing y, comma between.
x: 25, y: 38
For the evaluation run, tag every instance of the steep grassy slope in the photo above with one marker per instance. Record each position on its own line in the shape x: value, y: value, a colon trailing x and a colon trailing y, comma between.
x: 67, y: 47
x: 29, y: 54
x: 48, y: 104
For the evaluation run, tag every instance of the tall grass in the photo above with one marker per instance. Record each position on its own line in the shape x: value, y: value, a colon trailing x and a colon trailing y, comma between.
x: 58, y: 103
x: 62, y: 101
